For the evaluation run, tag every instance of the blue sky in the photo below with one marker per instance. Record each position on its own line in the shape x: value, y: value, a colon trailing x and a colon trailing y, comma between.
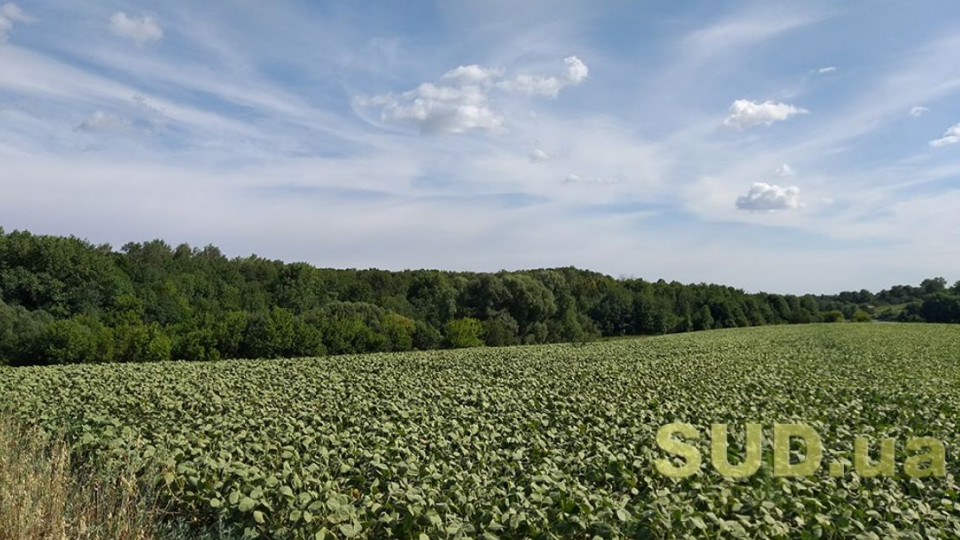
x: 788, y: 147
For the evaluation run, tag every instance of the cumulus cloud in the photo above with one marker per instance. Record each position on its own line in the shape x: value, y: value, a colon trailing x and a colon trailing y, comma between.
x: 951, y: 136
x: 917, y: 111
x: 745, y: 113
x: 828, y: 69
x: 461, y: 100
x: 575, y: 73
x: 764, y: 197
x: 141, y: 30
x: 11, y: 13
x: 104, y: 122
x: 439, y: 109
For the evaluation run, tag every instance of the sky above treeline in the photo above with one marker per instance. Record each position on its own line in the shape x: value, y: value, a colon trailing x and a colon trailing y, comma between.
x: 788, y: 147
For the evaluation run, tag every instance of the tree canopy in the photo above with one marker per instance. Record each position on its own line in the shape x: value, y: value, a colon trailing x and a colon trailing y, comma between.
x: 65, y: 300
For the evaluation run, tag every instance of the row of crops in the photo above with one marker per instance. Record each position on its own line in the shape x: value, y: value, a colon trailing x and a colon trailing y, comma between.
x: 550, y: 441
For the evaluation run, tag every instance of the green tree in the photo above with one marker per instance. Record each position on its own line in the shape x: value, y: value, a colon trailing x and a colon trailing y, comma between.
x: 834, y: 316
x: 78, y: 340
x: 500, y: 330
x: 614, y: 312
x: 933, y: 285
x: 426, y: 337
x: 530, y: 302
x: 399, y: 331
x: 941, y: 308
x: 703, y: 319
x: 465, y: 332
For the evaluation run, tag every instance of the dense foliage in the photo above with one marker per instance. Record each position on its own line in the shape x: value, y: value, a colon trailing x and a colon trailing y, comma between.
x: 63, y: 300
x: 932, y: 301
x: 525, y: 442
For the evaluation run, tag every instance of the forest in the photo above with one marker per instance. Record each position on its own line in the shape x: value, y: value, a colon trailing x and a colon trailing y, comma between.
x: 64, y: 300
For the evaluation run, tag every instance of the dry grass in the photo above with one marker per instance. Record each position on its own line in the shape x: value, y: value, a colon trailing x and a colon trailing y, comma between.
x: 43, y: 496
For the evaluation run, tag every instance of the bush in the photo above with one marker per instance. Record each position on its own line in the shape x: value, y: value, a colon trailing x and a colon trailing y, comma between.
x: 834, y: 316
x: 137, y: 342
x: 500, y: 330
x: 426, y: 337
x: 20, y: 334
x: 941, y: 308
x: 862, y: 316
x: 79, y: 340
x: 279, y: 333
x: 399, y: 331
x: 462, y: 333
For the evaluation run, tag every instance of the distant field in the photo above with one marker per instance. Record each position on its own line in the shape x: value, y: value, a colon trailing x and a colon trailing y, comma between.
x: 540, y: 441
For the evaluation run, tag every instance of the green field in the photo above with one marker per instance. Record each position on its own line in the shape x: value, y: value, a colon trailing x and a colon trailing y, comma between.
x: 540, y: 441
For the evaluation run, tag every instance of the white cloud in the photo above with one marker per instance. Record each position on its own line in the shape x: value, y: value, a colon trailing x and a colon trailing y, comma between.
x: 29, y: 72
x: 9, y: 14
x: 13, y: 12
x: 462, y: 100
x: 154, y: 115
x: 105, y: 121
x: 440, y: 109
x: 539, y: 155
x: 951, y: 136
x: 785, y: 170
x: 141, y: 30
x: 472, y: 74
x: 764, y: 197
x: 828, y: 69
x: 597, y: 181
x: 745, y: 113
x: 752, y: 26
x: 918, y: 110
x: 576, y: 72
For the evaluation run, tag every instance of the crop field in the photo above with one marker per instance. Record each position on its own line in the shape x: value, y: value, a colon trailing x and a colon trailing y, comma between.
x: 555, y: 441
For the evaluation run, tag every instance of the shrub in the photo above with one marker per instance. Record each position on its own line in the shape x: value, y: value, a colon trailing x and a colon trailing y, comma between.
x: 399, y: 331
x: 834, y: 316
x: 466, y: 332
x: 426, y: 337
x: 500, y: 330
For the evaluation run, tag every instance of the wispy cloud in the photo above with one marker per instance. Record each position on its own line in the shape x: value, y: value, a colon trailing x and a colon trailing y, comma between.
x: 251, y: 127
x: 105, y: 121
x: 597, y: 181
x: 785, y: 171
x: 538, y: 155
x: 547, y: 85
x: 143, y: 29
x: 11, y: 13
x: 745, y: 29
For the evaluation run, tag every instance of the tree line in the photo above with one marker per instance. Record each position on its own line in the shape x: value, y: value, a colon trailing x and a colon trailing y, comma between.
x: 932, y: 301
x: 66, y: 300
